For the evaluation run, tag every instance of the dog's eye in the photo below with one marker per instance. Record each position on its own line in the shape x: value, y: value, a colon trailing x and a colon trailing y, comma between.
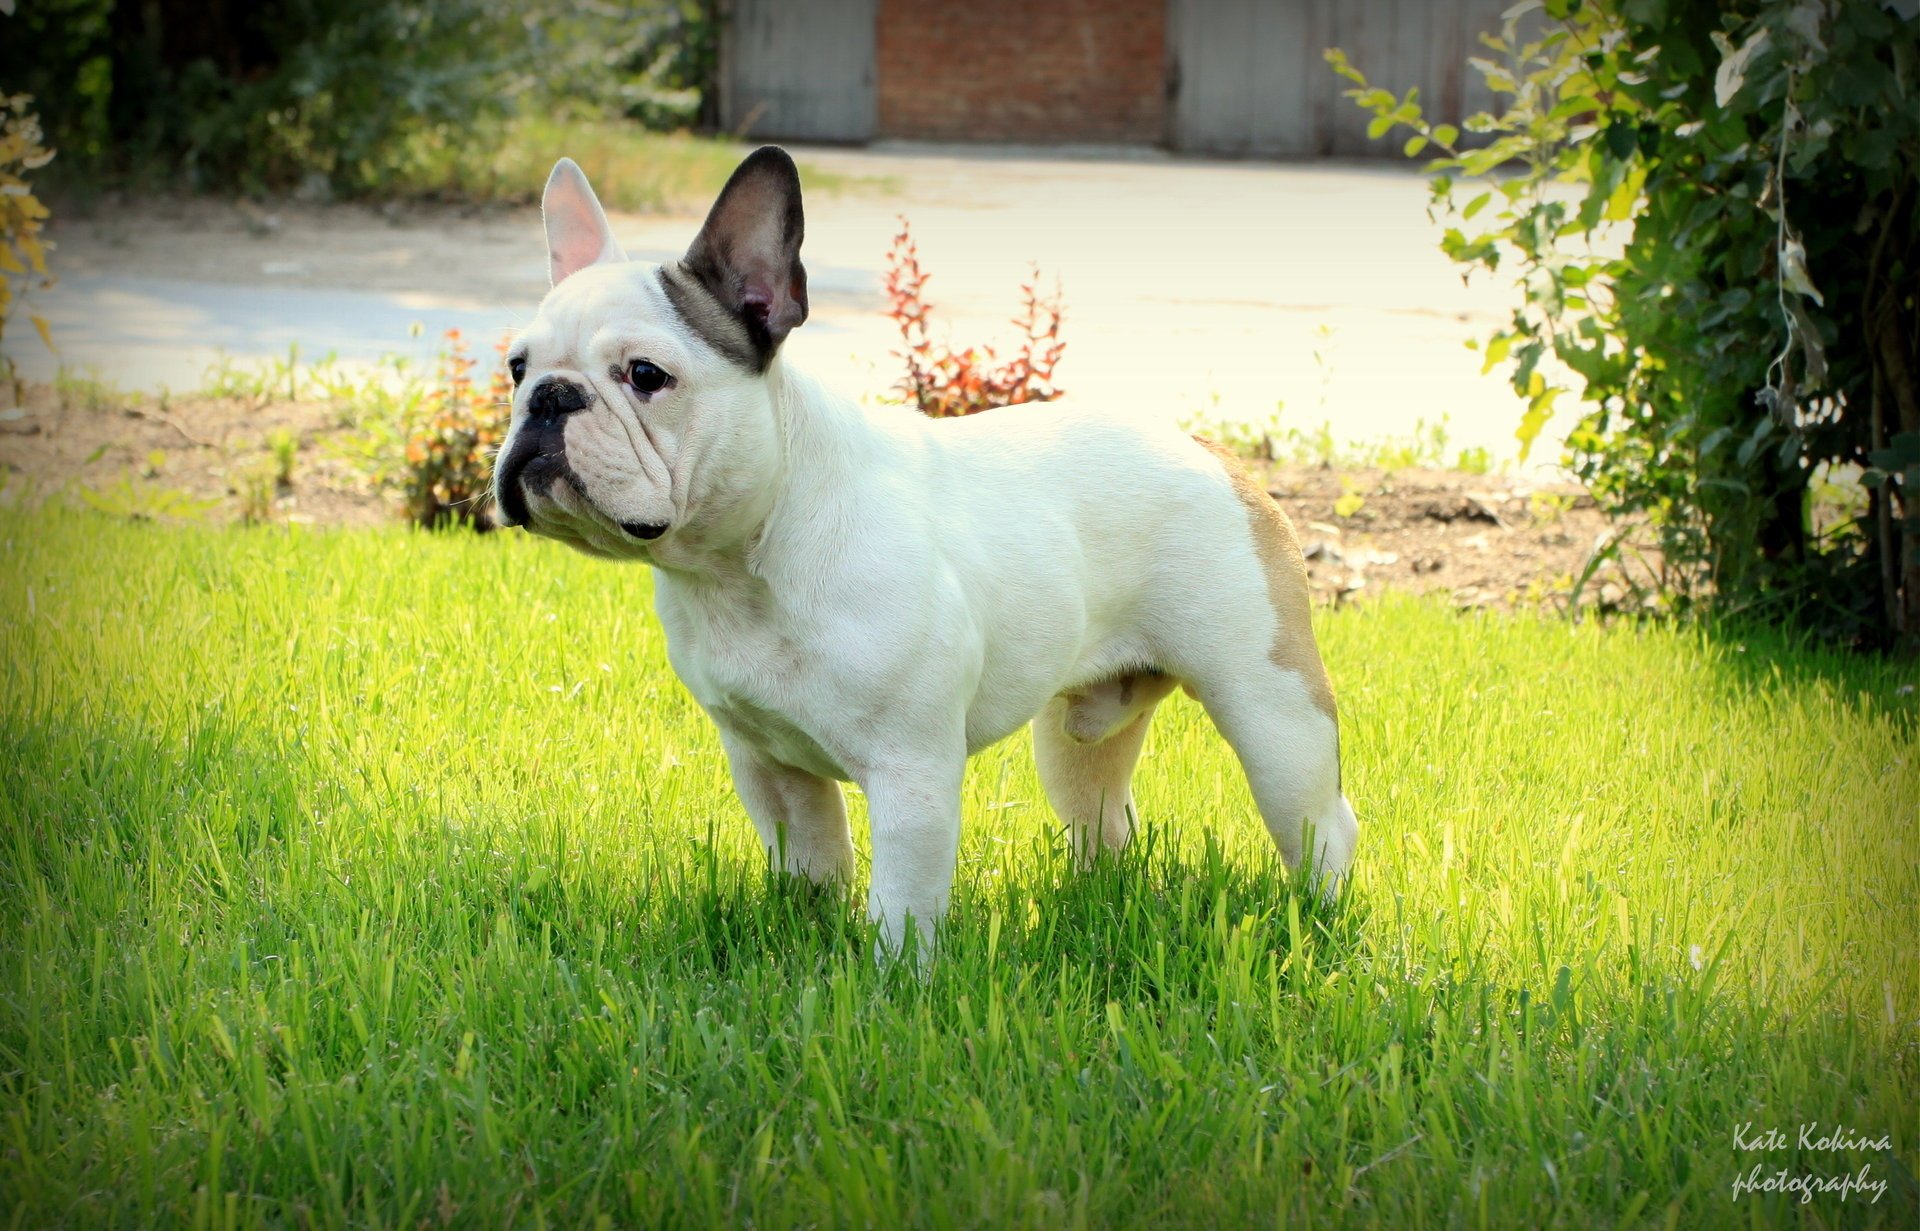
x: 517, y: 368
x: 647, y: 377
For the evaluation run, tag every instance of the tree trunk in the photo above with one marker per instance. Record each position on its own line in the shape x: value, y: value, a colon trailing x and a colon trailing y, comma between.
x: 1880, y: 502
x: 1897, y: 364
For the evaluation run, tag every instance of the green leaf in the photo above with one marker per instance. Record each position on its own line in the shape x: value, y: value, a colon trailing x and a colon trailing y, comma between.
x: 1625, y: 196
x: 1414, y: 145
x: 1732, y: 74
x: 1524, y: 376
x: 1539, y: 410
x: 1340, y: 64
x: 1445, y: 134
x: 1497, y: 350
x: 1476, y: 205
x: 1901, y: 452
x: 1751, y: 446
x: 1378, y: 126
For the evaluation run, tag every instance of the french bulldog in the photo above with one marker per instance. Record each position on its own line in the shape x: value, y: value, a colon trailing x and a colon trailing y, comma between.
x: 863, y: 594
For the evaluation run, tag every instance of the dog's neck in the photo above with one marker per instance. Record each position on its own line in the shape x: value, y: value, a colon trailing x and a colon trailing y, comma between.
x: 822, y: 439
x: 823, y: 434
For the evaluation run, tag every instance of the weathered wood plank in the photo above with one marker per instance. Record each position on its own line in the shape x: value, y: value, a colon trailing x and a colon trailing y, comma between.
x: 799, y: 71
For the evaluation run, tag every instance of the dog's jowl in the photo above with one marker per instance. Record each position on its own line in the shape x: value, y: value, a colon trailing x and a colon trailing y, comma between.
x: 863, y: 594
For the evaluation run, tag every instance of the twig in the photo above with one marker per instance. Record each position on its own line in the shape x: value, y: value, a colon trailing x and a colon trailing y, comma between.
x: 1492, y: 514
x: 158, y: 416
x: 1787, y: 114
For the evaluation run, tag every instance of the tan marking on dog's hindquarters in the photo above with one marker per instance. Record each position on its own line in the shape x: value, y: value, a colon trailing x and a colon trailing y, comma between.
x: 1286, y: 571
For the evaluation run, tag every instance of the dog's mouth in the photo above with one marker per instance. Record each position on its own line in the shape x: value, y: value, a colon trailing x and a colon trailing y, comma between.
x: 535, y: 473
x: 534, y: 476
x: 536, y: 458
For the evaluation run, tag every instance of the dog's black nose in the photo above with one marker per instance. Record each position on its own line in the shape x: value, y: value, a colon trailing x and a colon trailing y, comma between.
x: 644, y: 529
x: 554, y: 396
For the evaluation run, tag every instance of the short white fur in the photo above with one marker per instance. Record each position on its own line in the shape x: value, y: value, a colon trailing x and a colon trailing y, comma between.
x: 864, y: 594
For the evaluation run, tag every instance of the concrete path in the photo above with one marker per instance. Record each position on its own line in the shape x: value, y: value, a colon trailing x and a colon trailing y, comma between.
x: 1229, y: 290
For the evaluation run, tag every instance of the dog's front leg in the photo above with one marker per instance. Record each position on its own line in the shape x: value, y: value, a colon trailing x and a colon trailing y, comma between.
x: 801, y: 818
x: 914, y: 804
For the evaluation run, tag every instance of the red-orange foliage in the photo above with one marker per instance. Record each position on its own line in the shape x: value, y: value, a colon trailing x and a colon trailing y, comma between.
x: 449, y: 456
x: 942, y: 381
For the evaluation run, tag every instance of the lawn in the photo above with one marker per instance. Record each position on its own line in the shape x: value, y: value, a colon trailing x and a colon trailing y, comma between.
x: 388, y: 879
x: 631, y: 168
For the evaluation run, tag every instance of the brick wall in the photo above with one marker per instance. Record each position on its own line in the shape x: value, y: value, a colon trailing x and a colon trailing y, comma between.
x: 1022, y: 70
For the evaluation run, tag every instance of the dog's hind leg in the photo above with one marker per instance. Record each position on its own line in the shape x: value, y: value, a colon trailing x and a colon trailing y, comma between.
x: 1289, y: 746
x: 1085, y: 745
x: 1269, y: 693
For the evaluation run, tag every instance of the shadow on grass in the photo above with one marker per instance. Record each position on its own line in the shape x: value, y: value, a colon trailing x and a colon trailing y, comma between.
x: 1750, y: 657
x: 90, y: 805
x: 1152, y: 922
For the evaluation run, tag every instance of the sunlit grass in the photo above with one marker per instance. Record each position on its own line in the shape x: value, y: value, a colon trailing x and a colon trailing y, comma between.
x: 631, y: 168
x: 386, y: 879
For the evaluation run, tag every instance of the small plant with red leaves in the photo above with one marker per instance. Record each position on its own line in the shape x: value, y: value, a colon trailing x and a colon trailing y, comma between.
x: 944, y: 382
x: 449, y: 453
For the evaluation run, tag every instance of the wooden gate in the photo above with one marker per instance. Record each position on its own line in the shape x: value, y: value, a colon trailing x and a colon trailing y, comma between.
x: 1246, y: 76
x: 803, y: 71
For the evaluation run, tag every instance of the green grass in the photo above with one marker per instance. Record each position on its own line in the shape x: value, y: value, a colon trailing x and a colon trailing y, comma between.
x: 391, y: 880
x: 630, y: 167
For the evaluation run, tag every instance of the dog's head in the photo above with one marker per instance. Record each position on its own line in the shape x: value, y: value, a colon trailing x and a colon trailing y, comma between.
x: 643, y: 420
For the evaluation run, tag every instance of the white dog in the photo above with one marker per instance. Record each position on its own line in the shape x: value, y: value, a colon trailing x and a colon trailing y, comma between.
x: 868, y: 595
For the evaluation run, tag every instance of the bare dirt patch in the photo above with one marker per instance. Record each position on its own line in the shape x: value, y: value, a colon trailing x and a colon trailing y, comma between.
x: 1479, y: 540
x: 138, y: 453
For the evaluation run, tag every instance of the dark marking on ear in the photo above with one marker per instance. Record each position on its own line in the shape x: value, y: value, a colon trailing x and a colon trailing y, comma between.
x: 715, y: 324
x: 747, y: 254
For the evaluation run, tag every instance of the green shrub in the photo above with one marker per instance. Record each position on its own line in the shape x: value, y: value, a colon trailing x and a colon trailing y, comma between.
x: 345, y: 96
x: 509, y: 160
x: 942, y: 382
x: 448, y: 473
x: 23, y: 253
x: 1757, y: 334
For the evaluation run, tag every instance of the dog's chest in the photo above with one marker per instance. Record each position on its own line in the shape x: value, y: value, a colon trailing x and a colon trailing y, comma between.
x: 748, y: 673
x: 774, y: 735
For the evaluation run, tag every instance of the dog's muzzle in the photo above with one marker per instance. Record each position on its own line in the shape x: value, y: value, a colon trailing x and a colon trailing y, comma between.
x: 538, y: 455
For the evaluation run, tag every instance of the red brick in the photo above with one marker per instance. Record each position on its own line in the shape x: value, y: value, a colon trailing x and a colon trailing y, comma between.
x: 1022, y: 70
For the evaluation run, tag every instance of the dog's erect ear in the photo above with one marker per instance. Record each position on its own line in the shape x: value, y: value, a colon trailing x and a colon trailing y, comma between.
x: 577, y: 230
x: 748, y: 253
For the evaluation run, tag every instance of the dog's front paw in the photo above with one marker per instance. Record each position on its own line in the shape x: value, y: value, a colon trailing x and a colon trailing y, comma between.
x: 904, y: 943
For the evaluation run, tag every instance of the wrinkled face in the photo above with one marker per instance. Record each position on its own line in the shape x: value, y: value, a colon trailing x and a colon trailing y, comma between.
x: 631, y: 430
x: 643, y: 420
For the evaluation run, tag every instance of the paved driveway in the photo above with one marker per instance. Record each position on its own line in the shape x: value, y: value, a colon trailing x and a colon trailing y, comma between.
x: 1225, y: 288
